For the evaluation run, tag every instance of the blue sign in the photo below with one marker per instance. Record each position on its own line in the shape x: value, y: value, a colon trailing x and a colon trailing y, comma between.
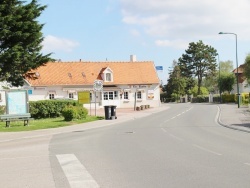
x: 159, y: 68
x: 30, y: 91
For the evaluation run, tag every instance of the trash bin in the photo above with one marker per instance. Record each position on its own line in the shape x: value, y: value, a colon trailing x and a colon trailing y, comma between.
x: 107, y: 110
x: 113, y: 112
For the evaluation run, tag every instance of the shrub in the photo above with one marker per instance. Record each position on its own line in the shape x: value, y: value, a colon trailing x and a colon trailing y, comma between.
x: 228, y: 98
x: 74, y: 112
x: 245, y: 98
x: 2, y: 109
x: 69, y: 113
x: 200, y: 99
x: 81, y: 112
x: 49, y: 108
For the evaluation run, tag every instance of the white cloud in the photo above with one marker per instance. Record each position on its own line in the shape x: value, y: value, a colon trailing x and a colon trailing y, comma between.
x: 54, y: 44
x: 192, y: 19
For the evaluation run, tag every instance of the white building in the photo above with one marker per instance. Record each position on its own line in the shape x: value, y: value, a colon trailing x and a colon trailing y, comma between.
x: 124, y: 83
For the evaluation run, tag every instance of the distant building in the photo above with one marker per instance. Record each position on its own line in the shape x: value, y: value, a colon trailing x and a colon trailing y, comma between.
x: 244, y: 87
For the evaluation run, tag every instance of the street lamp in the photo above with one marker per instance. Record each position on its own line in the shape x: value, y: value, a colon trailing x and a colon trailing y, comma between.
x: 237, y: 76
x: 219, y: 78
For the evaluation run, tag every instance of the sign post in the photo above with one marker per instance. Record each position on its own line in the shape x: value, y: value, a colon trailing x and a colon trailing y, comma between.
x: 98, y: 87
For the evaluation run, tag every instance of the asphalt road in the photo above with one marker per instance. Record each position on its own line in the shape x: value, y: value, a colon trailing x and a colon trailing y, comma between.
x: 180, y: 147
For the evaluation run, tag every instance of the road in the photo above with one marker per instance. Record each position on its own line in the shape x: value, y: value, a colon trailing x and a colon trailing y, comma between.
x: 181, y: 147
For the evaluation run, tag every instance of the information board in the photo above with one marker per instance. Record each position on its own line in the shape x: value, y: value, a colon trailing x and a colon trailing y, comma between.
x: 83, y: 97
x: 16, y: 102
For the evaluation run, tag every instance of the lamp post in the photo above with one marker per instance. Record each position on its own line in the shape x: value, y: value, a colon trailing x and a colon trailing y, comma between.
x: 219, y: 78
x: 237, y: 75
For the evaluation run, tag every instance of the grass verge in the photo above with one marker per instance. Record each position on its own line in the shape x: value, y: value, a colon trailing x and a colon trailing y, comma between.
x: 17, y: 126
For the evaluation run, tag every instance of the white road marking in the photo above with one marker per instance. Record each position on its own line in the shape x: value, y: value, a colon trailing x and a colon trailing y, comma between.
x: 247, y: 164
x: 177, y: 115
x: 178, y: 138
x: 205, y: 149
x: 75, y: 172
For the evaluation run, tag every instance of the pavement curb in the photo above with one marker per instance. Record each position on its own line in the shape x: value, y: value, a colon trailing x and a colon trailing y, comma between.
x: 229, y: 126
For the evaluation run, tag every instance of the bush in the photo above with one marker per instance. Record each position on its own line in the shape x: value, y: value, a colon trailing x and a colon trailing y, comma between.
x: 69, y: 113
x: 228, y: 98
x: 200, y: 99
x: 2, y: 109
x: 74, y: 112
x: 49, y: 108
x: 245, y: 98
x: 81, y: 112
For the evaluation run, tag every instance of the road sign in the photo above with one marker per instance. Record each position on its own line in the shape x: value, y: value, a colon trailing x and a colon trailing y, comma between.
x: 98, y: 85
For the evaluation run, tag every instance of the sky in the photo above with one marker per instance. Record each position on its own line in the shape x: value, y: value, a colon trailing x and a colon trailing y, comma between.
x: 152, y: 30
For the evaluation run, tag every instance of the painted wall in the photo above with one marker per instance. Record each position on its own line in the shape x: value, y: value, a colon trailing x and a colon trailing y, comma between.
x: 150, y: 95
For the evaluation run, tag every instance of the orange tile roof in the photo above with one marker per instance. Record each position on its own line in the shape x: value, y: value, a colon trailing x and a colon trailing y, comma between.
x: 85, y: 73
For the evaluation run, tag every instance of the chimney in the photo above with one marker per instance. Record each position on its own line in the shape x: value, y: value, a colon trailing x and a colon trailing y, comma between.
x: 132, y: 58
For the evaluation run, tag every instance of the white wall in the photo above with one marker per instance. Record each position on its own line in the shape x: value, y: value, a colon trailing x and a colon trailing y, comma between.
x: 42, y: 93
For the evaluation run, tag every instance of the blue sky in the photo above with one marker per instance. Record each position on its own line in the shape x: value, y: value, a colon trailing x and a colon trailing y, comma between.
x: 153, y: 30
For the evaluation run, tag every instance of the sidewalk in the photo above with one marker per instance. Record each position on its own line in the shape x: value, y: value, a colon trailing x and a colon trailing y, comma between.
x: 235, y: 118
x: 229, y: 116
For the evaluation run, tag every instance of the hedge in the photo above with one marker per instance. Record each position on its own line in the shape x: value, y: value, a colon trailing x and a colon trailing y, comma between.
x: 49, y: 108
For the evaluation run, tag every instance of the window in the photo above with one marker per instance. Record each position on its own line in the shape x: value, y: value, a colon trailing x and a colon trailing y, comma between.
x: 51, y: 96
x: 108, y: 77
x: 71, y: 95
x: 90, y: 96
x: 139, y: 95
x: 116, y: 94
x: 111, y: 95
x: 105, y: 95
x: 125, y: 95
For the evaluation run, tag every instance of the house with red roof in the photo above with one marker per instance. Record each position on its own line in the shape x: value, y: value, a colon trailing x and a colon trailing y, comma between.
x: 124, y: 84
x: 242, y: 81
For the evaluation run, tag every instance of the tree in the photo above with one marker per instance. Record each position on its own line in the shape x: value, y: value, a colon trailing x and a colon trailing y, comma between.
x: 176, y: 84
x: 246, y: 70
x: 226, y: 82
x: 226, y: 66
x: 20, y: 40
x: 198, y: 61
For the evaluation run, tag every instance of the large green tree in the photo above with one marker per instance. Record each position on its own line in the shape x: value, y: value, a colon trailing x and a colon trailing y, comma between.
x: 199, y: 61
x: 20, y: 39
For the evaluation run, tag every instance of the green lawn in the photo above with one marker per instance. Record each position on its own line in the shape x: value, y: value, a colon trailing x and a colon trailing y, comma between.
x: 16, y: 126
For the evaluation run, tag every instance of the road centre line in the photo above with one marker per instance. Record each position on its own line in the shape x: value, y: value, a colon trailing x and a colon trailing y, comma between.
x: 205, y: 149
x: 75, y: 172
x: 176, y: 137
x: 178, y: 115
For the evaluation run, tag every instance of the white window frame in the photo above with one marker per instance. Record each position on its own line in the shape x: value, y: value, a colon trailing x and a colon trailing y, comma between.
x: 126, y: 95
x: 71, y: 95
x: 139, y: 95
x: 51, y: 95
x: 108, y: 77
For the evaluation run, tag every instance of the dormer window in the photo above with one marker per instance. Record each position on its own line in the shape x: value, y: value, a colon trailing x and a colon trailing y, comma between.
x: 108, y: 77
x: 107, y: 74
